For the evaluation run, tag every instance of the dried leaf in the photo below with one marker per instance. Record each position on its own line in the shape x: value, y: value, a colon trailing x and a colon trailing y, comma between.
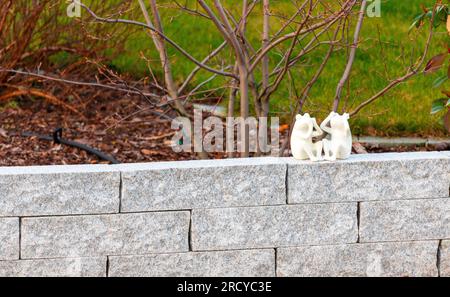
x: 435, y: 63
x: 448, y: 24
x: 3, y: 133
x: 359, y: 148
x: 147, y: 152
x: 283, y: 128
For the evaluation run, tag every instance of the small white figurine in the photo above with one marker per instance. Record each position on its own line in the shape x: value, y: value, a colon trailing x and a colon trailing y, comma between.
x: 302, y: 145
x: 339, y: 146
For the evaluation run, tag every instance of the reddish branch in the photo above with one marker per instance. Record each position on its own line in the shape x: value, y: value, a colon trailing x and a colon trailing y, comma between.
x: 47, y: 96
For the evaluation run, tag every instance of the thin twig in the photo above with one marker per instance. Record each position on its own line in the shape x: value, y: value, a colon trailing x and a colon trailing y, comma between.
x: 413, y: 70
x: 351, y: 58
x: 167, y: 39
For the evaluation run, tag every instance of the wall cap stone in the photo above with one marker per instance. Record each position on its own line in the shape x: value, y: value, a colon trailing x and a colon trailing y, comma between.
x: 50, y: 169
x: 55, y: 169
x: 382, y: 157
x: 193, y: 164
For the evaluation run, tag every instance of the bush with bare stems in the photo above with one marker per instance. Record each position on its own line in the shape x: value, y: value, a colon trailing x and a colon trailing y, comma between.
x: 32, y: 32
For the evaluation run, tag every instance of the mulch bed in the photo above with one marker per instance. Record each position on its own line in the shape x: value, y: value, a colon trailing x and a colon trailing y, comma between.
x: 120, y: 127
x: 117, y: 125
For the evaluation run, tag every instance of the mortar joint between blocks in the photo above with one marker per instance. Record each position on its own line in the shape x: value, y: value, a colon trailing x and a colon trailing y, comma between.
x: 276, y: 262
x: 438, y: 258
x: 358, y: 220
x: 20, y: 238
x: 286, y: 184
x: 190, y: 231
x: 120, y: 192
x: 107, y: 266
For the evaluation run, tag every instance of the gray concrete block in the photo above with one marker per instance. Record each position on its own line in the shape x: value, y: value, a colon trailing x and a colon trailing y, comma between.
x: 445, y: 258
x: 273, y: 226
x: 390, y: 176
x: 87, y: 236
x: 58, y: 190
x: 244, y: 263
x: 64, y: 267
x: 203, y: 184
x: 398, y: 259
x: 9, y: 238
x: 405, y: 220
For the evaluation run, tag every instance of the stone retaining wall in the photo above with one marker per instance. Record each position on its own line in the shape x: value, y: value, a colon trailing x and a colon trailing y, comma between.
x: 371, y: 215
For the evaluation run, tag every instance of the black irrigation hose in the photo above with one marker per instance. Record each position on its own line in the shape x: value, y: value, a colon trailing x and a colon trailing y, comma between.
x: 57, y: 138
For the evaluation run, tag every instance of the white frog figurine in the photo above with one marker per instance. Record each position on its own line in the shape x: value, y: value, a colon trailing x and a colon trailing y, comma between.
x: 302, y: 145
x: 339, y: 146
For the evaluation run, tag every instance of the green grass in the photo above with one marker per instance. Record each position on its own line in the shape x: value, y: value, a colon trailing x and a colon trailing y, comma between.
x: 403, y: 111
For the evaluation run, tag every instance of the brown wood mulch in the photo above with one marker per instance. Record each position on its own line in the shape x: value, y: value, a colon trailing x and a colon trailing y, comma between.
x: 122, y: 127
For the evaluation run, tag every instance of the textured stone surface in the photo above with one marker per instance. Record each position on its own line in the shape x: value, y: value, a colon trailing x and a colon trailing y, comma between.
x: 405, y: 220
x: 203, y: 184
x: 58, y: 190
x: 273, y: 226
x: 392, y: 141
x: 9, y: 238
x: 73, y: 267
x: 369, y: 177
x: 377, y: 260
x: 445, y: 258
x: 84, y: 236
x: 249, y: 263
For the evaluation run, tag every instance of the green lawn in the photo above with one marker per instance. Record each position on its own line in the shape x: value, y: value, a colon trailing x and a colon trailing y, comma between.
x: 403, y: 111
